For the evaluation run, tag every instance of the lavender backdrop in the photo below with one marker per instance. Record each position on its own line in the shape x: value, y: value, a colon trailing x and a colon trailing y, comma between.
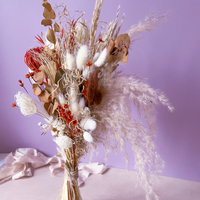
x: 169, y: 57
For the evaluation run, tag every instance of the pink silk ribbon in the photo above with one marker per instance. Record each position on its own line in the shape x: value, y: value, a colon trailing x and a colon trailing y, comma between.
x: 20, y: 164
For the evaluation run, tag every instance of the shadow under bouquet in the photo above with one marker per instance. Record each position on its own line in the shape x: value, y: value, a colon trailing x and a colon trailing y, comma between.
x: 84, y: 101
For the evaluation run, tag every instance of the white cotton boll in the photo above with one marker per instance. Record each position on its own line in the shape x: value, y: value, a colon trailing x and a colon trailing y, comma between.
x: 70, y: 61
x: 74, y: 107
x: 101, y: 58
x: 81, y: 103
x: 96, y: 57
x: 86, y: 72
x: 88, y: 124
x: 81, y: 57
x: 25, y: 103
x: 87, y: 136
x: 63, y: 141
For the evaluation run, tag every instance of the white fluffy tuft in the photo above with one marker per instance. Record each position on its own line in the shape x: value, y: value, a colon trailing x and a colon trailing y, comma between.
x: 70, y: 62
x: 25, y: 103
x: 81, y: 57
x: 88, y: 124
x: 63, y: 141
x: 74, y: 107
x: 86, y: 72
x: 81, y: 104
x: 101, y: 58
x: 87, y: 136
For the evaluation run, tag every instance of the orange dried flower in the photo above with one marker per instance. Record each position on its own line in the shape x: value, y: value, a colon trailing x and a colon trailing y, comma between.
x: 78, y: 130
x: 74, y: 123
x: 21, y: 85
x: 20, y: 81
x: 66, y: 106
x: 27, y: 75
x: 89, y: 64
x: 69, y: 113
x: 32, y: 73
x: 100, y: 40
x: 14, y: 105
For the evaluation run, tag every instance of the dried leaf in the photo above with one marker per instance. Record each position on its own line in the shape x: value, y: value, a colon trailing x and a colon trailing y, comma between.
x: 123, y: 40
x: 56, y: 27
x: 49, y: 14
x: 46, y: 22
x: 47, y: 5
x: 47, y: 107
x: 52, y: 14
x: 55, y: 105
x: 36, y: 89
x: 38, y: 77
x: 44, y: 96
x: 51, y: 36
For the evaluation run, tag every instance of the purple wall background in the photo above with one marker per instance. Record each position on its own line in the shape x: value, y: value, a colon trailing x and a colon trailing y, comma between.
x: 169, y: 57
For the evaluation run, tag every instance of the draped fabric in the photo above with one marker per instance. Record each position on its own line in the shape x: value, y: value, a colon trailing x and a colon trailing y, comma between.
x: 24, y: 160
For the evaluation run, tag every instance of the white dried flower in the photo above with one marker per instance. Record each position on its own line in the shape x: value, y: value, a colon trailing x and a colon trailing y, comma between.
x: 70, y: 62
x: 81, y: 57
x: 88, y: 124
x: 81, y: 103
x: 63, y: 141
x: 87, y: 136
x: 100, y: 61
x: 25, y: 103
x: 40, y: 124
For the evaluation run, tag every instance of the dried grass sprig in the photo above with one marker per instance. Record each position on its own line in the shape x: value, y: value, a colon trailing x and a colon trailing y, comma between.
x: 95, y: 21
x: 149, y: 24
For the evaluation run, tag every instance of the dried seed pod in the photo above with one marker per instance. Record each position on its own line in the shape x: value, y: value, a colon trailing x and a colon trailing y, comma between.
x: 38, y: 77
x: 56, y: 27
x: 47, y: 5
x: 46, y: 22
x: 51, y: 36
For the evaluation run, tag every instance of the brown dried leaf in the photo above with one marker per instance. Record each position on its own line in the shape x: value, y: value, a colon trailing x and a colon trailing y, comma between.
x: 55, y: 105
x: 46, y: 13
x: 36, y: 89
x: 52, y: 14
x: 51, y: 36
x: 38, y: 77
x: 46, y: 22
x: 44, y: 96
x: 56, y: 27
x: 47, y: 5
x: 123, y: 40
x: 47, y: 107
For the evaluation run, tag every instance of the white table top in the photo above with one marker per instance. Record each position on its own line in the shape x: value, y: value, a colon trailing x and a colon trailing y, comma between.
x: 114, y: 184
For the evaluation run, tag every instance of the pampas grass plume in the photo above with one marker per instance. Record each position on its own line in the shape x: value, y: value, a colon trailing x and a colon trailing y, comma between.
x: 101, y: 58
x: 88, y: 124
x: 87, y: 136
x: 81, y: 57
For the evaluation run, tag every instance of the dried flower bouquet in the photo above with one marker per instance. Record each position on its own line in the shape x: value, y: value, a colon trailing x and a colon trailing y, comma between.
x: 83, y: 100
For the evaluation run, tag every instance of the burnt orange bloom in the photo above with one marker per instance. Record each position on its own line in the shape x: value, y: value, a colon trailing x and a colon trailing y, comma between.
x: 27, y: 75
x: 89, y: 64
x: 74, y: 123
x: 66, y: 106
x: 20, y: 81
x: 14, y: 105
x: 21, y: 85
